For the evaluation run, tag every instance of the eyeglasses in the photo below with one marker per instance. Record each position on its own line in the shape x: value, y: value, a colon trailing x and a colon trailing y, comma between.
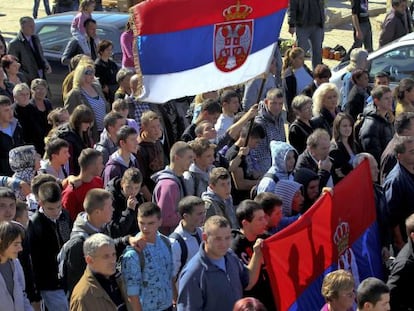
x: 89, y: 72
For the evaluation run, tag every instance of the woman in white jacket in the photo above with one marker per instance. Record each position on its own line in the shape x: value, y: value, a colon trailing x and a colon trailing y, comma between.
x: 12, y: 285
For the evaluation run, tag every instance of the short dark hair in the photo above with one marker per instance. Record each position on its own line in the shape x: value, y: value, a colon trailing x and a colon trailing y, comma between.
x: 257, y: 131
x: 179, y: 149
x: 246, y: 209
x: 111, y: 118
x: 217, y: 221
x: 88, y: 21
x: 5, y: 101
x: 211, y: 106
x: 402, y: 122
x: 39, y: 180
x: 50, y: 192
x: 88, y: 157
x: 53, y: 146
x: 268, y: 201
x: 103, y: 45
x: 7, y: 193
x: 322, y: 71
x: 123, y: 133
x: 133, y: 175
x: 370, y: 290
x: 187, y: 204
x: 227, y: 95
x: 148, y: 209
x: 382, y: 74
x: 9, y: 231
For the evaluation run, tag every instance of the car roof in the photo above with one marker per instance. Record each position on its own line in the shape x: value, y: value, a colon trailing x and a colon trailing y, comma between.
x: 115, y: 19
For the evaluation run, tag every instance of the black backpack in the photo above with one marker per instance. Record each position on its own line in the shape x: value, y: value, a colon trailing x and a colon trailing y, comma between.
x: 184, y: 249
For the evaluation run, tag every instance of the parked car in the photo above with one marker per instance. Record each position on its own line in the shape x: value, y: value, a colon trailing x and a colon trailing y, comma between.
x: 54, y: 34
x: 395, y: 58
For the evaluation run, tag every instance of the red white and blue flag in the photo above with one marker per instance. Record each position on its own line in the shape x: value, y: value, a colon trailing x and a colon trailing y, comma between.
x: 338, y: 232
x: 187, y: 47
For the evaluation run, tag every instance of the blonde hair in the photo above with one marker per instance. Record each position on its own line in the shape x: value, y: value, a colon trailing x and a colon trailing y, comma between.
x: 84, y: 4
x: 336, y: 281
x: 319, y: 95
x: 79, y: 75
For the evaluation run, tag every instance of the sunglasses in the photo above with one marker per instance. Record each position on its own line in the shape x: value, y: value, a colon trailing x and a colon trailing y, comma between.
x: 89, y: 72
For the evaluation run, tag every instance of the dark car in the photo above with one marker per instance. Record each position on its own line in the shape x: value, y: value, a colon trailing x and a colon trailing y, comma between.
x: 54, y: 34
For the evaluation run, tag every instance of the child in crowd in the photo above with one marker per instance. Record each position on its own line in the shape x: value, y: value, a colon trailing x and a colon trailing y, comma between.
x: 77, y: 27
x: 25, y: 162
x: 12, y: 285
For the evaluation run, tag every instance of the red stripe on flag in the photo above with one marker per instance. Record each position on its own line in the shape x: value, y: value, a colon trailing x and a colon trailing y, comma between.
x: 160, y: 16
x: 299, y: 254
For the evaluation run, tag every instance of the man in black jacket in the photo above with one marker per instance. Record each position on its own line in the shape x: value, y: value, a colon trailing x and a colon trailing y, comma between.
x: 402, y: 273
x: 48, y: 230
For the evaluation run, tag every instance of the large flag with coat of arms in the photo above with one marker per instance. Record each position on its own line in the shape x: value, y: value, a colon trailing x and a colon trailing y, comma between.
x: 187, y: 47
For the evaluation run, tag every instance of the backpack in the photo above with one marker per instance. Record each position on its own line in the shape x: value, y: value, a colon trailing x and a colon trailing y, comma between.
x: 357, y: 127
x: 184, y: 249
x: 62, y: 255
x: 253, y: 191
x: 142, y: 258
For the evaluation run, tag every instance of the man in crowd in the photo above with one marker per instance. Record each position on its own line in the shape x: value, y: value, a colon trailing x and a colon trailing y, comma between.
x: 223, y: 274
x: 28, y: 50
x: 373, y: 294
x: 100, y: 287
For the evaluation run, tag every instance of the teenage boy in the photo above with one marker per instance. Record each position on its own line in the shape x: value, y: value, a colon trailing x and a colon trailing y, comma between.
x: 47, y: 232
x: 186, y: 238
x: 90, y: 162
x: 127, y: 197
x: 124, y: 157
x: 150, y: 155
x: 373, y: 294
x: 57, y: 156
x: 230, y: 105
x: 217, y: 198
x: 253, y: 224
x: 107, y: 142
x: 148, y: 275
x: 170, y: 187
x: 11, y: 134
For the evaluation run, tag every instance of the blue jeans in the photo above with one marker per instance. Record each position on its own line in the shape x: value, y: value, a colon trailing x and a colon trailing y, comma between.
x: 311, y: 37
x: 55, y: 300
x: 36, y: 7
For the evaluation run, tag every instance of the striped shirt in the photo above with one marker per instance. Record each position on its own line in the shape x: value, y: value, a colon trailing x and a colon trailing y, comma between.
x: 98, y: 106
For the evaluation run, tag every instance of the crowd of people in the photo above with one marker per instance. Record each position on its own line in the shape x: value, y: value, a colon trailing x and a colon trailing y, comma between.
x: 110, y: 203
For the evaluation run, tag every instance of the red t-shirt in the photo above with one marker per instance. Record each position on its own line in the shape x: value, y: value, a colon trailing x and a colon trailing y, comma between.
x: 72, y: 198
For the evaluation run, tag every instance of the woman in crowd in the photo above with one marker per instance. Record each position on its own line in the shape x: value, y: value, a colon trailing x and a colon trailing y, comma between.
x: 42, y: 106
x: 359, y: 93
x: 55, y: 118
x: 302, y: 127
x: 11, y: 272
x: 296, y: 76
x: 106, y: 70
x: 127, y: 41
x: 343, y: 147
x: 338, y: 289
x: 86, y: 92
x: 77, y: 133
x: 11, y: 67
x: 325, y: 106
x: 404, y: 93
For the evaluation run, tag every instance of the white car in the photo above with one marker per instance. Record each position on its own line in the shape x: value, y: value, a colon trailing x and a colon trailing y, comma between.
x: 395, y: 58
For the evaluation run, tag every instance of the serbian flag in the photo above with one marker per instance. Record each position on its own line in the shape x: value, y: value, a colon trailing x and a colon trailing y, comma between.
x: 338, y: 232
x: 187, y: 47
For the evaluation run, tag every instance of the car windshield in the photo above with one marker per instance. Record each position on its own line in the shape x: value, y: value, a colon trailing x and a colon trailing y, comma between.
x: 54, y: 37
x: 399, y: 63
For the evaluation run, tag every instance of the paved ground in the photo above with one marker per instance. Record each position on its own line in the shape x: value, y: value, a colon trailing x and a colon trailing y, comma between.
x: 339, y: 29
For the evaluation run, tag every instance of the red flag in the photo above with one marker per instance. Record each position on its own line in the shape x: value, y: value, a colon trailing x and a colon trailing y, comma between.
x: 326, y: 237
